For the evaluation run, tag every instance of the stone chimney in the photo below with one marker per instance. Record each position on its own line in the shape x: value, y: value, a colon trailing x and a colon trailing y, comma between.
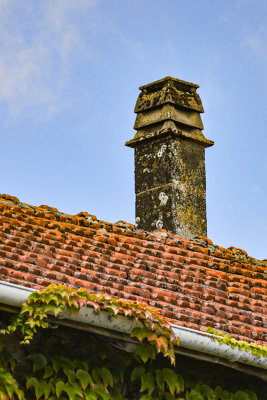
x: 170, y: 178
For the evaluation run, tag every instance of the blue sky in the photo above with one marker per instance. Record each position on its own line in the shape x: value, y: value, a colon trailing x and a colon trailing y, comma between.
x: 69, y: 78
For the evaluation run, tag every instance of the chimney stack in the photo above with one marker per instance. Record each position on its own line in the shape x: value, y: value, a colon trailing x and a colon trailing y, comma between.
x: 170, y: 178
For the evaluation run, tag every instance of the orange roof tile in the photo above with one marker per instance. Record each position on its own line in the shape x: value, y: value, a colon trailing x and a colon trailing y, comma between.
x: 192, y: 282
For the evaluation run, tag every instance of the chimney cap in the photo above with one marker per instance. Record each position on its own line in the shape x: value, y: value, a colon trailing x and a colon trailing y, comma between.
x: 168, y: 106
x: 157, y: 85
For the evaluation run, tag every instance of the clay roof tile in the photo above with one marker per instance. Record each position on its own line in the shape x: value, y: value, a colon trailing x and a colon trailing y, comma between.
x: 194, y: 283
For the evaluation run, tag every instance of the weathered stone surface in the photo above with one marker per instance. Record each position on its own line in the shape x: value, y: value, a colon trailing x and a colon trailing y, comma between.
x: 170, y: 180
x: 168, y: 112
x: 170, y: 186
x: 169, y: 100
x: 169, y: 90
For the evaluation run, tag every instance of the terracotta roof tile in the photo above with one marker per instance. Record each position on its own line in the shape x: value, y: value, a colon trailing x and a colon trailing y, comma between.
x: 192, y: 282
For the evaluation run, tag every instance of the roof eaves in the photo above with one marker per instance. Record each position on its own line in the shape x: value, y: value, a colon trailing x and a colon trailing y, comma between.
x: 193, y: 343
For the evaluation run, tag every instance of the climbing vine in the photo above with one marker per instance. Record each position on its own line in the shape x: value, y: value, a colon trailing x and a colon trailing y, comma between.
x: 224, y: 338
x: 62, y: 364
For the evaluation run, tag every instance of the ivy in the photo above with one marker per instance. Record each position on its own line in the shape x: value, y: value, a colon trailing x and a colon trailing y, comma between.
x: 56, y: 299
x: 77, y: 365
x: 224, y: 338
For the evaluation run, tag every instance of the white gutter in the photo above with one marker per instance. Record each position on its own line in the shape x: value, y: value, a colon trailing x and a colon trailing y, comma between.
x: 14, y: 295
x: 204, y: 342
x: 190, y: 339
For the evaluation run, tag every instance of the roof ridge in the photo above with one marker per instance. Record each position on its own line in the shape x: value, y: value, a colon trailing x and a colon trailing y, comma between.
x: 199, y: 243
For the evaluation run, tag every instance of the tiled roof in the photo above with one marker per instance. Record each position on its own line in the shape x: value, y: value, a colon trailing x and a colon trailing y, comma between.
x: 193, y: 282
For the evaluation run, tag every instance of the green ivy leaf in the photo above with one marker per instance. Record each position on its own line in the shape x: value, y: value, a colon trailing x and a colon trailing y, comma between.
x: 221, y: 394
x: 39, y: 361
x: 211, y: 330
x: 206, y: 391
x: 96, y: 375
x: 160, y: 379
x: 115, y: 393
x: 7, y: 389
x: 145, y: 352
x: 146, y: 397
x: 140, y: 333
x: 35, y: 296
x: 102, y: 392
x: 48, y: 372
x: 194, y: 395
x: 172, y: 381
x: 3, y: 396
x: 60, y: 387
x: 240, y: 345
x: 168, y: 396
x: 107, y: 377
x: 247, y: 346
x: 85, y: 378
x: 42, y: 389
x: 31, y: 382
x: 19, y: 393
x: 66, y: 364
x: 118, y: 372
x: 6, y: 376
x: 147, y: 383
x: 55, y: 309
x: 137, y: 373
x: 180, y: 381
x: 251, y: 395
x: 240, y: 395
x: 56, y: 364
x: 233, y: 343
x: 73, y: 391
x: 71, y: 377
x: 90, y: 395
x: 26, y: 308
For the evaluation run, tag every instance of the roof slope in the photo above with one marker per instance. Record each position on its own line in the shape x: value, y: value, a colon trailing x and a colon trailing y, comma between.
x: 193, y: 282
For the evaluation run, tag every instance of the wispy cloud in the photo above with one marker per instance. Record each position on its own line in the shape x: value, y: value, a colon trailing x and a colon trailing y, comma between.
x: 257, y: 42
x: 37, y: 42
